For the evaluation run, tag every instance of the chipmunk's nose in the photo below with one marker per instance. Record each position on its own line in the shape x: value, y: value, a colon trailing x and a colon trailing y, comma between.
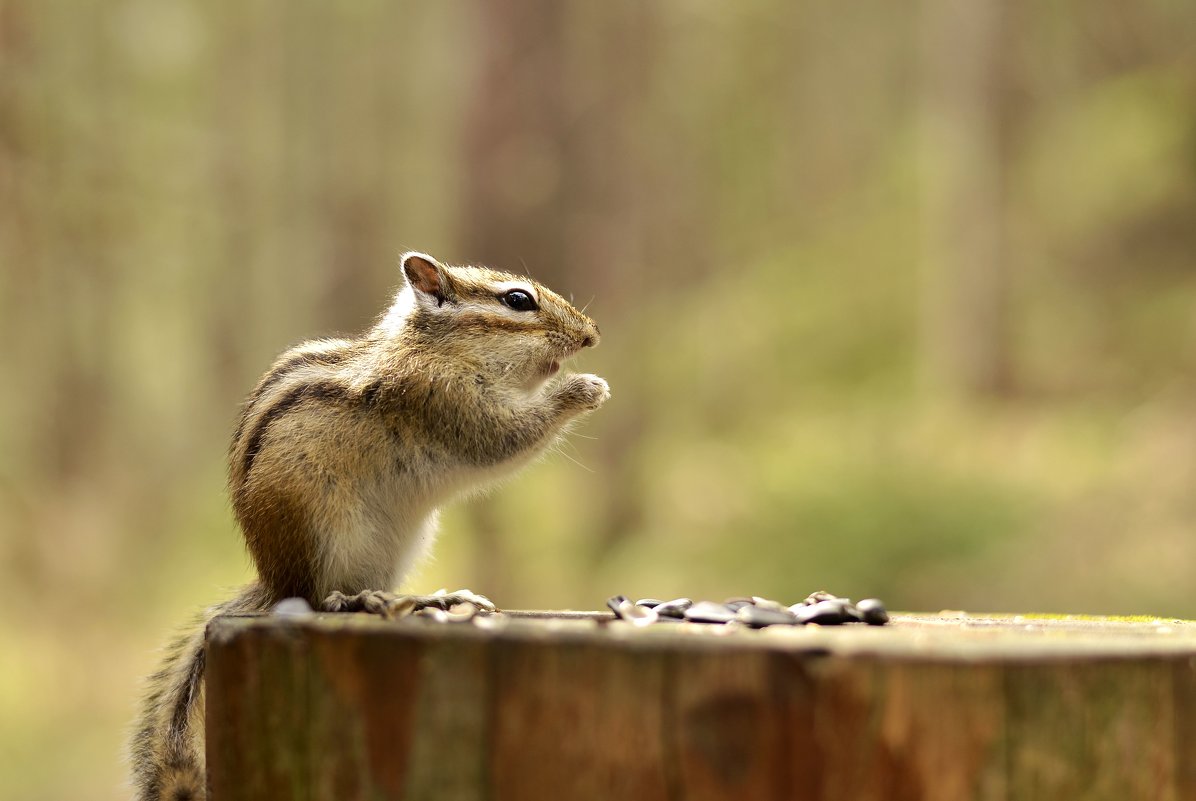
x: 592, y: 336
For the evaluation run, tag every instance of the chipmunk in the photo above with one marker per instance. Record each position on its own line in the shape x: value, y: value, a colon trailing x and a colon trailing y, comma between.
x: 346, y: 449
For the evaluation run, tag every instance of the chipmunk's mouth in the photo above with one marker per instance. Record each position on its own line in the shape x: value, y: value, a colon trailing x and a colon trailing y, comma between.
x: 543, y: 371
x: 541, y: 374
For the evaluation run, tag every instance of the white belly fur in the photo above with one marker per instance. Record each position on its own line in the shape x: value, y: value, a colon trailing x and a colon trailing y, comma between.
x: 375, y: 532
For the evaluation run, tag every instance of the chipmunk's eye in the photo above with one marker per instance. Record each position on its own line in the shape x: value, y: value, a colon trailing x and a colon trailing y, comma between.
x: 519, y: 300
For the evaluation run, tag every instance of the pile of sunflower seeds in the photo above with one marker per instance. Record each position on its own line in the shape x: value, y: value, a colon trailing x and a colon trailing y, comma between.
x: 821, y: 608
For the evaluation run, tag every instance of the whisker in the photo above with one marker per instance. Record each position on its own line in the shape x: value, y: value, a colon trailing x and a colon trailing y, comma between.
x: 570, y: 458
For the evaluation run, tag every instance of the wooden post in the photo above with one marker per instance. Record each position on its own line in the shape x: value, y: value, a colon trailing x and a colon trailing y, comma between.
x: 350, y: 707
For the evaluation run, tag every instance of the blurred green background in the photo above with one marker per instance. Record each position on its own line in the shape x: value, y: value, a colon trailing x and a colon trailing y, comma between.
x: 898, y: 299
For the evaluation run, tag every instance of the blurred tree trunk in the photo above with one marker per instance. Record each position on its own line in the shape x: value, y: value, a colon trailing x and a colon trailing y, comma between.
x: 614, y: 201
x: 966, y: 343
x: 514, y: 139
x: 554, y: 184
x: 512, y: 188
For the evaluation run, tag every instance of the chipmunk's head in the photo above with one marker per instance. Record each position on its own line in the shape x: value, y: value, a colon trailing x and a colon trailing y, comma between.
x: 512, y: 327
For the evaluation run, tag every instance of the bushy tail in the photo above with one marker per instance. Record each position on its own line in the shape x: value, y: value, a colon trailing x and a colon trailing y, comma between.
x: 167, y: 751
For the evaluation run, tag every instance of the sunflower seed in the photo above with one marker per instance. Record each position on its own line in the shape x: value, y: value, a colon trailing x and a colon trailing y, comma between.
x: 709, y: 612
x: 873, y: 612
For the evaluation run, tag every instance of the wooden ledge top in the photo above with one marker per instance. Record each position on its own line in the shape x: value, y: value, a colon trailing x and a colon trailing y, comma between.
x: 945, y: 637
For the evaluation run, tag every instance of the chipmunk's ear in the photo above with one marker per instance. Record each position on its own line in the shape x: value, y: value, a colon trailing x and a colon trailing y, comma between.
x: 427, y: 276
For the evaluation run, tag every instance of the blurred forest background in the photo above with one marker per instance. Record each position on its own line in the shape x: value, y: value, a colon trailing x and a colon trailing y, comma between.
x: 898, y: 299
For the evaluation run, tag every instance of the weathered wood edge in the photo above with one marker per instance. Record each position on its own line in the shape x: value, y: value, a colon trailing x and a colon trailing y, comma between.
x: 919, y: 637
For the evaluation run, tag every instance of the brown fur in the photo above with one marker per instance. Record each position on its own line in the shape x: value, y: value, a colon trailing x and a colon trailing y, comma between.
x: 346, y: 448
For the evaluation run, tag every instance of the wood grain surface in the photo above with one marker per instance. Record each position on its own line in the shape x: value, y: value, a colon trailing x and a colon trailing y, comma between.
x: 540, y: 707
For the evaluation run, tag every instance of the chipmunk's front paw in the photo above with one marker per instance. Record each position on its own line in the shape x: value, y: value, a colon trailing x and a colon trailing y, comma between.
x: 584, y: 391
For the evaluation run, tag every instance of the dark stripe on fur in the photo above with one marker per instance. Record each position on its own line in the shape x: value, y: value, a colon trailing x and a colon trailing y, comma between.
x: 325, y: 358
x: 370, y: 393
x: 321, y: 391
x: 485, y: 323
x: 328, y: 358
x: 187, y: 693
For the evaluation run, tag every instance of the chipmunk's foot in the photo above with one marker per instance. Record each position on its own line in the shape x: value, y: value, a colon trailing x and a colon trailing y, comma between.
x: 390, y: 605
x: 373, y: 602
x: 442, y: 599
